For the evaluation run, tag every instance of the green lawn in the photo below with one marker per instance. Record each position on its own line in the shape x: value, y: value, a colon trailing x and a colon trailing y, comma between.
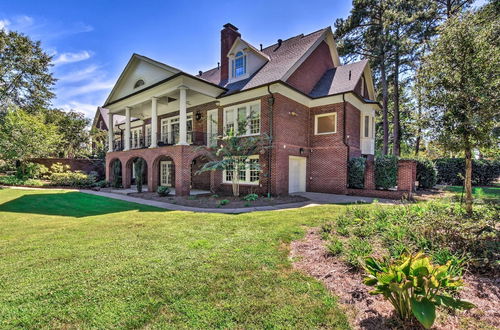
x: 491, y: 193
x: 71, y: 260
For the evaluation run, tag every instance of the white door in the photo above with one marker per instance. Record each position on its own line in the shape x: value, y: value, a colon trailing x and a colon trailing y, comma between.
x: 212, y: 127
x: 166, y: 173
x: 296, y: 174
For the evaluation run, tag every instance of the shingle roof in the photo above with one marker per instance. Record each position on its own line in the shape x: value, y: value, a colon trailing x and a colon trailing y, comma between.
x: 282, y: 58
x: 339, y: 80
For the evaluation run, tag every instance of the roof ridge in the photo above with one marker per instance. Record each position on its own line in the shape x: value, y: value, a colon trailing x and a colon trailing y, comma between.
x: 302, y: 35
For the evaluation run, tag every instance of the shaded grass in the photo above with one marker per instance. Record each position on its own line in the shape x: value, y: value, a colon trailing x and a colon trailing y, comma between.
x: 75, y: 260
x: 489, y: 193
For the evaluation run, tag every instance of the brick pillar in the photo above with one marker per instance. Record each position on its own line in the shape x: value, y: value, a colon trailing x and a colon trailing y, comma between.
x: 407, y: 170
x: 369, y: 174
x: 107, y: 169
x: 182, y: 172
x: 126, y: 175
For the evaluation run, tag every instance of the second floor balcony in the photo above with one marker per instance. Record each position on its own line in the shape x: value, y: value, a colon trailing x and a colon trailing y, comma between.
x: 167, y: 139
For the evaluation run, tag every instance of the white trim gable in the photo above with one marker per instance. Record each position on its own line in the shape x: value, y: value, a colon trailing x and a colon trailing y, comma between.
x: 139, y: 68
x: 253, y: 59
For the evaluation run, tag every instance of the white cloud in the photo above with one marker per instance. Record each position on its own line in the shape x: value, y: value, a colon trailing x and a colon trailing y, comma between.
x: 88, y: 109
x: 90, y: 87
x: 87, y: 73
x: 4, y: 23
x: 72, y: 57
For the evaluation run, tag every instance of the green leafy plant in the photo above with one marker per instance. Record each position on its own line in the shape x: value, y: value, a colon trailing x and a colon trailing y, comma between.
x: 224, y: 202
x: 335, y: 247
x: 251, y: 197
x: 356, y: 172
x: 76, y: 179
x: 426, y: 173
x: 139, y: 165
x: 117, y: 174
x: 29, y: 170
x: 414, y: 286
x: 357, y: 249
x: 386, y: 171
x: 59, y: 168
x: 163, y: 191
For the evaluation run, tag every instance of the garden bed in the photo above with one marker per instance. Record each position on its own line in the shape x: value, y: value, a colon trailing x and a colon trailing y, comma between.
x: 217, y: 201
x: 373, y: 312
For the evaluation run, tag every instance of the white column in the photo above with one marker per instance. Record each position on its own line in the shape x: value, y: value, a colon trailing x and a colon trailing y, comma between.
x: 127, y: 129
x: 111, y: 132
x: 182, y: 117
x: 154, y: 122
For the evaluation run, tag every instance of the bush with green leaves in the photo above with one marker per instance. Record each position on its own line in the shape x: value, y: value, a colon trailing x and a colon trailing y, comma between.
x: 414, y: 286
x: 335, y: 247
x: 224, y: 202
x: 30, y: 170
x: 452, y: 171
x: 59, y: 168
x: 163, y: 191
x: 386, y: 171
x: 356, y: 250
x: 139, y: 166
x: 251, y: 197
x: 75, y: 179
x: 12, y: 180
x: 101, y: 184
x: 426, y: 173
x: 356, y: 172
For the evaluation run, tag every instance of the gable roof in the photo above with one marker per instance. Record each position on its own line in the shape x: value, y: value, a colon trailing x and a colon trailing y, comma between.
x: 103, y: 112
x: 249, y: 45
x: 281, y: 59
x: 338, y: 80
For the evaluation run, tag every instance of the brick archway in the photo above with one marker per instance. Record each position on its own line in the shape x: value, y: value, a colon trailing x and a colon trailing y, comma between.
x: 127, y: 172
x: 111, y: 172
x: 154, y: 173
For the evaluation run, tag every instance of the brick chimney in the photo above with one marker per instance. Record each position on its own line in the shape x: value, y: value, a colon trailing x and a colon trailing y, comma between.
x: 227, y: 37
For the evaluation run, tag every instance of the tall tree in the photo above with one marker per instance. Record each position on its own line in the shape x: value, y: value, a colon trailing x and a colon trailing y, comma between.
x: 460, y: 78
x: 72, y: 127
x: 365, y: 34
x: 24, y: 136
x: 25, y: 79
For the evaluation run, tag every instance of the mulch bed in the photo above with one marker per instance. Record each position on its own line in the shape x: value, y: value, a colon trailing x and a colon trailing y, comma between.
x: 209, y: 201
x: 373, y: 312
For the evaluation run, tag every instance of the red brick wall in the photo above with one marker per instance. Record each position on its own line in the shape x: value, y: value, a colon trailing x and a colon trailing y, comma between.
x: 312, y: 69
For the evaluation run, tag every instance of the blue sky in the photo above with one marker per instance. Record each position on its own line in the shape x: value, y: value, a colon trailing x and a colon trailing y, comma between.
x: 92, y: 40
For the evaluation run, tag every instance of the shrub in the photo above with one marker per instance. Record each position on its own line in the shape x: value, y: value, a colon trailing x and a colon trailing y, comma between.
x: 414, y: 286
x: 59, y: 168
x: 117, y: 177
x: 101, y: 184
x: 356, y: 172
x: 12, y: 180
x: 386, y: 171
x: 251, y: 197
x: 452, y: 171
x: 139, y: 165
x: 29, y: 170
x: 163, y: 191
x: 72, y: 179
x: 224, y: 202
x: 426, y: 173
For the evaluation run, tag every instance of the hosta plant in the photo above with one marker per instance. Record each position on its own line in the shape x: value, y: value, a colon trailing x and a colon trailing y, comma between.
x: 414, y: 286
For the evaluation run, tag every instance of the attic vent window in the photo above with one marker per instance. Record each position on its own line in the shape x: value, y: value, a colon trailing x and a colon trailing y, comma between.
x: 239, y: 64
x: 139, y: 83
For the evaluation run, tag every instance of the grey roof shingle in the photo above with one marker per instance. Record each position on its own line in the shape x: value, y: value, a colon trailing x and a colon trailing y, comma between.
x: 339, y: 80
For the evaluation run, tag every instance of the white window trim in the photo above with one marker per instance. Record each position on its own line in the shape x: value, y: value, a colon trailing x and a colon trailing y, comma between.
x: 247, y: 175
x: 235, y: 117
x: 316, y: 117
x: 169, y: 121
x: 169, y: 174
x: 232, y: 59
x: 371, y: 127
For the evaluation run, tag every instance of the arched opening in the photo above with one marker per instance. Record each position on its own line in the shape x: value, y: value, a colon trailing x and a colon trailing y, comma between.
x: 200, y: 180
x: 137, y: 169
x: 164, y: 168
x: 115, y: 173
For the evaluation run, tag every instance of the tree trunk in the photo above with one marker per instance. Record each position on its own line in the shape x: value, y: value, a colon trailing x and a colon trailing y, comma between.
x: 236, y: 181
x: 468, y: 181
x: 385, y: 123
x: 395, y: 128
x: 419, y: 125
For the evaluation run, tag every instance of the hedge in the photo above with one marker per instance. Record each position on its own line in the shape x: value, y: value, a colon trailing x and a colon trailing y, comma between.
x: 426, y: 173
x: 386, y: 171
x: 356, y: 172
x: 72, y: 179
x: 452, y: 171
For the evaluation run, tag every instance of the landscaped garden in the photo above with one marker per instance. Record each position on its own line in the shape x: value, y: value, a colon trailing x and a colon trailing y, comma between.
x: 76, y: 260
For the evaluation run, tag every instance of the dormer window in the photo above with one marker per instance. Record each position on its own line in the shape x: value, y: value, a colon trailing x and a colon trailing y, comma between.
x: 239, y: 65
x: 139, y: 83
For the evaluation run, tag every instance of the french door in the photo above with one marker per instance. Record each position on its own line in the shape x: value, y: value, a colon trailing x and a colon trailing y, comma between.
x: 212, y: 127
x: 166, y: 173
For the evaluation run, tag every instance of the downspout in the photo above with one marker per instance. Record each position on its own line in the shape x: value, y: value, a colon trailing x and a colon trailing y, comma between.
x: 270, y: 103
x: 345, y: 135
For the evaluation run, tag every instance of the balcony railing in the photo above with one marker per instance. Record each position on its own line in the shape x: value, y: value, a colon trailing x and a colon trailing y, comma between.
x: 168, y: 139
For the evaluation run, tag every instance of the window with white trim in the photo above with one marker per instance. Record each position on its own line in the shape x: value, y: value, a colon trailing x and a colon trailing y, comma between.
x: 325, y: 123
x: 148, y: 135
x: 367, y: 126
x: 248, y: 175
x: 244, y: 119
x: 239, y: 64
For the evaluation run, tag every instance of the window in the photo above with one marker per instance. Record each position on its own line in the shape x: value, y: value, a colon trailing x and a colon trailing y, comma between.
x: 248, y: 175
x: 139, y: 83
x: 325, y: 123
x: 244, y: 119
x: 367, y: 126
x: 362, y: 86
x: 239, y: 65
x: 148, y: 135
x: 373, y: 127
x: 170, y: 129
